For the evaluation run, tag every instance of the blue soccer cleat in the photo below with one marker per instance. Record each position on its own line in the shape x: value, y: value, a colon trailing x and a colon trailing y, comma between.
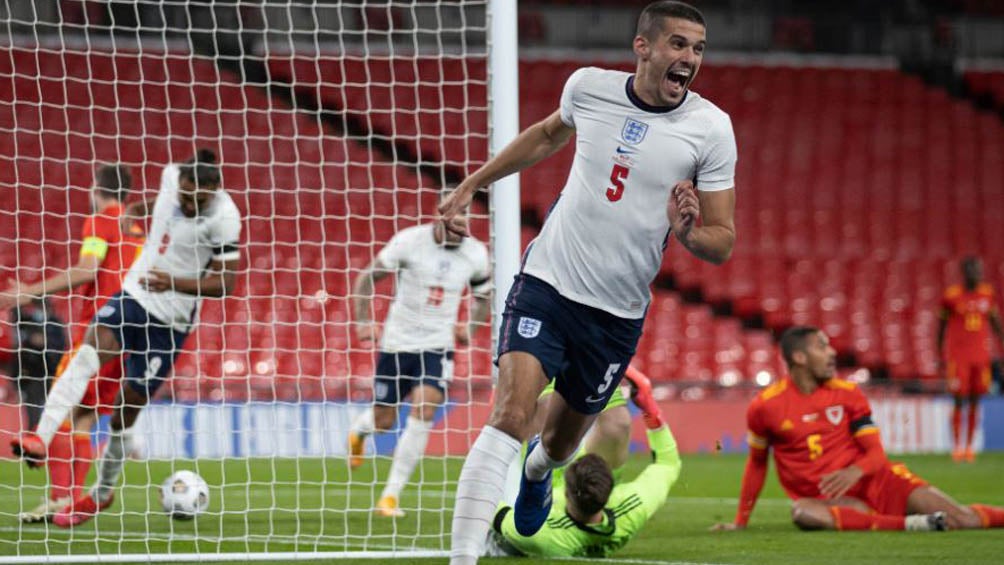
x: 533, y: 503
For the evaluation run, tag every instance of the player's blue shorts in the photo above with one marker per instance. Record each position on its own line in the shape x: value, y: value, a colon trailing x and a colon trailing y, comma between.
x: 584, y: 349
x: 398, y: 373
x: 150, y: 345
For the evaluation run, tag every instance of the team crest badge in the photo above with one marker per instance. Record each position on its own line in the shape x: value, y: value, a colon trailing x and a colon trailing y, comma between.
x: 835, y: 414
x: 528, y: 327
x: 634, y: 131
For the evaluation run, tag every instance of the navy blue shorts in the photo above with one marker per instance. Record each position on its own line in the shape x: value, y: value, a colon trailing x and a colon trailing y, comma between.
x: 150, y: 345
x: 584, y: 349
x: 398, y: 373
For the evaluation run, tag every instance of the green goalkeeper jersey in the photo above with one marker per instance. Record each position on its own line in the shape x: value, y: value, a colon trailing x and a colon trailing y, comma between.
x: 630, y: 506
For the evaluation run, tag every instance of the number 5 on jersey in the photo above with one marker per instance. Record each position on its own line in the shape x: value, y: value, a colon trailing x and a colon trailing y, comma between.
x: 617, y: 176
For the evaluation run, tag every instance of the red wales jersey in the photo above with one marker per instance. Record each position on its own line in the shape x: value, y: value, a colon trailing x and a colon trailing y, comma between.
x: 103, y: 238
x: 811, y: 434
x: 968, y: 334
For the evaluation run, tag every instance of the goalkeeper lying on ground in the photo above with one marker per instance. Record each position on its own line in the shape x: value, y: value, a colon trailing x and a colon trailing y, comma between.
x: 590, y: 516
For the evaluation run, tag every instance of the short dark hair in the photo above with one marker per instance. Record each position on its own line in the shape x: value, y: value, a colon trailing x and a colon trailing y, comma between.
x: 793, y: 339
x: 650, y: 20
x: 588, y: 482
x: 114, y: 181
x: 201, y: 169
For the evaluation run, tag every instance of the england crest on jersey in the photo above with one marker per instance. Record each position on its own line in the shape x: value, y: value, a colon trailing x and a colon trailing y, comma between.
x: 634, y: 131
x: 528, y: 327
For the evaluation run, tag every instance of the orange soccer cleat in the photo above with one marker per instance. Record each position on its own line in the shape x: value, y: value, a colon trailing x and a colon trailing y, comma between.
x: 388, y: 507
x: 969, y: 455
x: 31, y: 448
x: 80, y: 510
x: 357, y: 446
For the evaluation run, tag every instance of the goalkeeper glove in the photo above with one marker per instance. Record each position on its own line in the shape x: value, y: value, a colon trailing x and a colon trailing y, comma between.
x: 641, y: 394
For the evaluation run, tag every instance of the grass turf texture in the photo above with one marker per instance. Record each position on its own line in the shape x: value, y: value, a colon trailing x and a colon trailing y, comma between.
x: 310, y: 504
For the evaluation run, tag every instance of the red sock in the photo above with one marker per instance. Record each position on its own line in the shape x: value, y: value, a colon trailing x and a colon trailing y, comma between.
x: 83, y: 456
x: 991, y: 516
x: 956, y: 425
x: 60, y: 464
x: 851, y: 519
x: 974, y: 411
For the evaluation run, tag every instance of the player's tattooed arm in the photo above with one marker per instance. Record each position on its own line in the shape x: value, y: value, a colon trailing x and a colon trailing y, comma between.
x: 218, y: 281
x: 704, y: 221
x: 362, y: 297
x: 534, y: 144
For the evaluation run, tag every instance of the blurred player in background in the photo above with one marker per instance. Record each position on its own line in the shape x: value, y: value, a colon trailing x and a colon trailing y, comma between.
x: 433, y: 267
x: 968, y: 310
x: 576, y: 310
x: 191, y: 252
x: 106, y: 253
x: 829, y: 456
x: 593, y: 516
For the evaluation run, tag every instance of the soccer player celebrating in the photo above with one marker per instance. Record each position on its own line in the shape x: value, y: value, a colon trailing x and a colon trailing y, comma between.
x: 106, y: 253
x: 966, y: 311
x: 191, y: 252
x: 576, y: 309
x: 591, y: 517
x: 432, y: 267
x: 829, y: 456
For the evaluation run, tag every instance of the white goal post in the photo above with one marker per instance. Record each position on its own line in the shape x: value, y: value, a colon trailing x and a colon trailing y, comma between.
x: 337, y: 124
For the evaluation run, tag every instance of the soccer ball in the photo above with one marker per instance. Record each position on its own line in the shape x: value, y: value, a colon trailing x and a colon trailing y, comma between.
x: 184, y: 495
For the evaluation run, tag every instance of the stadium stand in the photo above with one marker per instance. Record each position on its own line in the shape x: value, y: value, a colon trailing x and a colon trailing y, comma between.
x: 298, y: 179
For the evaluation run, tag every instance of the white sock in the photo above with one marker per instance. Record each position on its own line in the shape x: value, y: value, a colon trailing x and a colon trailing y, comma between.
x: 363, y: 425
x: 67, y: 392
x: 110, y: 467
x: 479, y: 491
x: 538, y: 463
x: 409, y: 451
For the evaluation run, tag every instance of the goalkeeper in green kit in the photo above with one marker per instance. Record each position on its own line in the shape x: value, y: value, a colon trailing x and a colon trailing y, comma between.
x: 591, y: 517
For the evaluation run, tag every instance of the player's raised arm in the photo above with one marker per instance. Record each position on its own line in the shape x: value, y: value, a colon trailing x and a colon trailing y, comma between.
x: 654, y: 483
x: 755, y: 473
x: 534, y: 144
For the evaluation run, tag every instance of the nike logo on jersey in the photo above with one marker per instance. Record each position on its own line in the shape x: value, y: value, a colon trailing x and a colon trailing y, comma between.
x: 624, y: 150
x: 594, y: 399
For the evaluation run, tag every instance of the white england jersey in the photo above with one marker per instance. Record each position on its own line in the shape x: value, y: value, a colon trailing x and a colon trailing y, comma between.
x: 430, y: 282
x: 182, y: 247
x: 603, y: 241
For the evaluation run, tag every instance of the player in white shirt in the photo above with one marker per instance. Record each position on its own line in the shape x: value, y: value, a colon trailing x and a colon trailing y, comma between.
x: 575, y: 312
x: 433, y: 268
x: 191, y: 252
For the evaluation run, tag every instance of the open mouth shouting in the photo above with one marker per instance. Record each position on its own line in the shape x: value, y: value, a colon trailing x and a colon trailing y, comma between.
x: 677, y: 80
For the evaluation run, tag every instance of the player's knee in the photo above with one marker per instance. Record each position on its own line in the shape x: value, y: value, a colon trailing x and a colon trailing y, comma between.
x: 384, y: 417
x: 427, y: 411
x: 806, y: 516
x: 515, y: 421
x: 556, y: 448
x: 963, y: 518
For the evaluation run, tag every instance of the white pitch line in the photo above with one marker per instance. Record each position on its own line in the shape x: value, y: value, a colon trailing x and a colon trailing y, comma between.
x: 629, y: 561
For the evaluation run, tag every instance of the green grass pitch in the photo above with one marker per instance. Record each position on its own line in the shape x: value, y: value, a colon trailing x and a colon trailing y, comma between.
x: 310, y: 504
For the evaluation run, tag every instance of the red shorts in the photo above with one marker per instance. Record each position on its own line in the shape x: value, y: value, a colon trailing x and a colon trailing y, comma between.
x: 887, y: 491
x: 102, y: 390
x: 967, y: 378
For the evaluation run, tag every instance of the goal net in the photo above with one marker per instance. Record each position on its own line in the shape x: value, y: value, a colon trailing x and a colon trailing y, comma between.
x: 337, y: 124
